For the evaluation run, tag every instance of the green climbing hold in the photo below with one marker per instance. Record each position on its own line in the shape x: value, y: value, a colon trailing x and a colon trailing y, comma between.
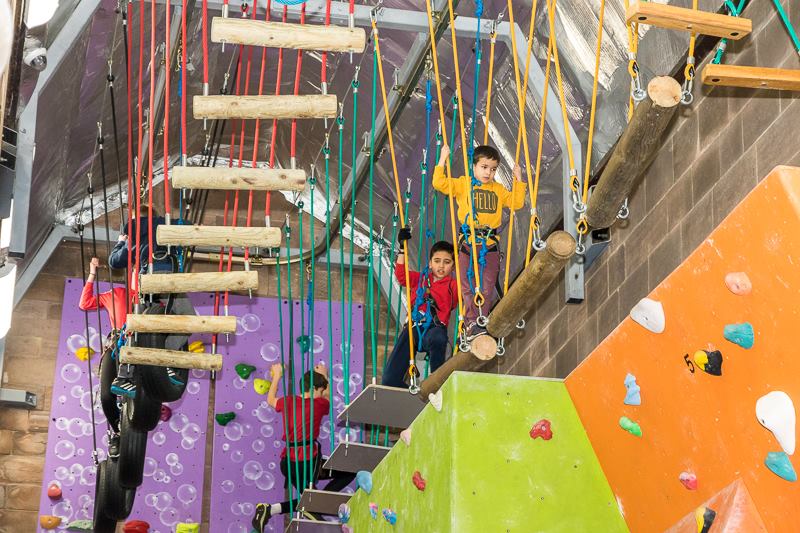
x: 630, y: 426
x: 80, y: 525
x: 224, y: 418
x: 244, y: 370
x: 305, y: 343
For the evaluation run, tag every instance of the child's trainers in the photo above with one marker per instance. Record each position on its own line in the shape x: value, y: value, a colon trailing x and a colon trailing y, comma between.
x: 123, y: 387
x: 173, y: 377
x: 113, y: 445
x: 262, y: 516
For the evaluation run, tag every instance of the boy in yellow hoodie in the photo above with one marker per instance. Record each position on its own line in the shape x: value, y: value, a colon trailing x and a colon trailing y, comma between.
x: 487, y: 198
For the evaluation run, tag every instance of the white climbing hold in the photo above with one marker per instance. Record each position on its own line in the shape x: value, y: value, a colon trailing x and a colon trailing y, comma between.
x: 775, y: 411
x: 405, y: 436
x: 436, y: 400
x: 650, y: 315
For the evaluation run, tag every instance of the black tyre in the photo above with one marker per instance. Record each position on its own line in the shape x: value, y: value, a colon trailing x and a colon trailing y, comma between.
x: 101, y: 523
x: 154, y: 378
x: 143, y: 411
x: 119, y: 500
x: 108, y: 400
x: 132, y: 453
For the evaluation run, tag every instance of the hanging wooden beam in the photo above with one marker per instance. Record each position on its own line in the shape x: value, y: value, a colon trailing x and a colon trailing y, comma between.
x: 691, y: 20
x: 185, y: 235
x: 180, y: 324
x: 135, y: 355
x: 284, y: 35
x: 781, y: 79
x: 636, y: 149
x: 199, y: 282
x: 250, y: 179
x: 537, y: 277
x: 265, y: 107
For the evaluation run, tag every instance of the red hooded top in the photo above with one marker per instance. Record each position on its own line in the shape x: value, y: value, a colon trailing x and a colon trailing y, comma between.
x: 119, y: 314
x: 444, y: 292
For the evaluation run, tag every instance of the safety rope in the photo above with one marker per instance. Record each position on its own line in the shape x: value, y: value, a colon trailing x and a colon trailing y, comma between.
x: 326, y: 151
x: 274, y: 135
x: 348, y: 332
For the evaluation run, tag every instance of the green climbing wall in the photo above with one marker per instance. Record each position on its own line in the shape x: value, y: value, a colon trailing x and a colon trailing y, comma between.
x: 484, y: 472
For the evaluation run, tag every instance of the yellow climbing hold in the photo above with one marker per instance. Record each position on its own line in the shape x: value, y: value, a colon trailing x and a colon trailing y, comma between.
x: 197, y: 347
x: 261, y: 385
x: 49, y: 521
x: 187, y: 528
x: 84, y: 353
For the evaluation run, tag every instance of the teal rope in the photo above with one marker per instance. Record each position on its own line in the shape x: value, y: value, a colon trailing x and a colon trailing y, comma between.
x: 306, y: 462
x: 326, y: 150
x: 787, y: 24
x: 349, y: 314
x: 283, y: 365
x: 723, y: 43
x: 371, y: 255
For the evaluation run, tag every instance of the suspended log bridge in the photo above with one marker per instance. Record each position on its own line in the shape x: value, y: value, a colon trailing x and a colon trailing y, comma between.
x: 185, y: 235
x: 682, y: 19
x: 285, y: 35
x: 780, y: 79
x: 135, y: 355
x: 251, y: 179
x: 265, y: 107
x: 199, y: 282
x: 180, y: 324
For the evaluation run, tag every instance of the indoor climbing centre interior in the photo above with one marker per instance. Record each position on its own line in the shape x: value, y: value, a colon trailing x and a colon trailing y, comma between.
x: 430, y: 266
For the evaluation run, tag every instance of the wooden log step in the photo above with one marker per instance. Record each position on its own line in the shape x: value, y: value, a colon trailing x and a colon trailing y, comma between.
x: 265, y: 107
x: 303, y: 525
x: 683, y: 19
x: 322, y: 501
x: 354, y: 456
x: 180, y: 324
x: 135, y: 355
x: 781, y: 79
x: 385, y: 406
x: 199, y: 282
x: 251, y: 179
x: 184, y: 235
x: 284, y: 35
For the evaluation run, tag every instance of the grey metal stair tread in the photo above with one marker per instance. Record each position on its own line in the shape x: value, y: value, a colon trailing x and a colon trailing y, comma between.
x: 313, y: 526
x: 354, y: 456
x: 322, y: 501
x: 383, y: 406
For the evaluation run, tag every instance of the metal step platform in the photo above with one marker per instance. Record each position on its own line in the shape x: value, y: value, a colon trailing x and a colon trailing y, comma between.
x: 322, y: 501
x: 383, y: 406
x: 354, y: 457
x: 298, y: 525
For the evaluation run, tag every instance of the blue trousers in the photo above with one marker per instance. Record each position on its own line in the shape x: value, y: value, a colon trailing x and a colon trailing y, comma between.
x: 434, y: 342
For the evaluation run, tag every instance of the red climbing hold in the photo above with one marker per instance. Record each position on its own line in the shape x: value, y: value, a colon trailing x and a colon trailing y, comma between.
x: 166, y: 413
x: 418, y: 480
x: 136, y: 526
x: 542, y: 429
x: 54, y: 491
x: 689, y: 480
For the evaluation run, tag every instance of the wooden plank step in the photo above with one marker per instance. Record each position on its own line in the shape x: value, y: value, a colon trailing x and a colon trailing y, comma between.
x: 385, y: 406
x: 250, y: 179
x: 781, y: 79
x: 683, y: 19
x: 265, y: 107
x: 180, y: 324
x: 185, y: 235
x: 322, y: 501
x: 354, y: 456
x: 172, y: 358
x: 285, y: 35
x: 298, y: 525
x: 199, y: 282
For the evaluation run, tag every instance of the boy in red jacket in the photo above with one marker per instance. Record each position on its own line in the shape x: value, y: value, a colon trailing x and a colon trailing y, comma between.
x: 113, y: 301
x: 436, y: 292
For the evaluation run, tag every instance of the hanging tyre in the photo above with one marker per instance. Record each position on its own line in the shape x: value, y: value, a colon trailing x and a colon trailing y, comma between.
x: 132, y: 453
x: 111, y: 502
x: 155, y: 379
x: 108, y: 400
x: 143, y: 411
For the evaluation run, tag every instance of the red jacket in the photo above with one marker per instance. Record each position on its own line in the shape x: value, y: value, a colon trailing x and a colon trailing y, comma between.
x: 444, y: 292
x: 89, y: 302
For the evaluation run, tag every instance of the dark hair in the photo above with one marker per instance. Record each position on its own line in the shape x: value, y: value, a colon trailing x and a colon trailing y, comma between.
x: 320, y: 382
x: 442, y: 246
x: 485, y: 151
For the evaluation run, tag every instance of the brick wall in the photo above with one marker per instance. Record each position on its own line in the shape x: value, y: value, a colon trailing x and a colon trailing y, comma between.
x: 716, y: 151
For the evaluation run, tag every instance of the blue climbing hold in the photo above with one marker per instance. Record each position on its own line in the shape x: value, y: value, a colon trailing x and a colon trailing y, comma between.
x: 741, y: 334
x: 633, y: 396
x: 390, y: 516
x: 344, y: 513
x: 364, y: 481
x: 780, y: 465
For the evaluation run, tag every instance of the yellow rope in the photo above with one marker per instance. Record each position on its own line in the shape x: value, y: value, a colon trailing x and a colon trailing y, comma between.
x: 689, y: 70
x: 552, y: 20
x: 489, y: 89
x: 593, y: 112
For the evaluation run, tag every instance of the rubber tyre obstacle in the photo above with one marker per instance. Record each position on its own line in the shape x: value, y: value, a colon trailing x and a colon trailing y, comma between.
x: 112, y: 502
x: 143, y: 411
x: 132, y: 453
x: 154, y: 378
x: 108, y: 400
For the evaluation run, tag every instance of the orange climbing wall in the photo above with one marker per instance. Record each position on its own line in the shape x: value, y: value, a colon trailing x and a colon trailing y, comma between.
x: 695, y: 421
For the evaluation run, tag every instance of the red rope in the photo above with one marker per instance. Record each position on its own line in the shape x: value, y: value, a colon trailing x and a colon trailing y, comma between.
x: 166, y: 115
x: 272, y: 142
x: 324, y: 72
x: 183, y: 82
x: 205, y: 45
x: 297, y: 73
x: 150, y: 134
x: 139, y: 149
x: 129, y: 36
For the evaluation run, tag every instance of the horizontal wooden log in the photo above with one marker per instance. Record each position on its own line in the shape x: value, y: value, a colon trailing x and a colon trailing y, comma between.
x: 637, y: 148
x: 265, y: 107
x: 781, y: 79
x: 199, y: 282
x: 180, y: 324
x: 249, y: 179
x: 691, y: 20
x: 284, y: 35
x: 185, y: 235
x: 461, y: 361
x: 538, y: 276
x: 152, y: 356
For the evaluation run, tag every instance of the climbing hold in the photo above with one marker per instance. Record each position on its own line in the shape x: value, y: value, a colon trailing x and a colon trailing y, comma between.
x: 390, y: 516
x: 197, y: 347
x: 741, y: 334
x: 418, y: 481
x: 541, y: 429
x: 373, y: 510
x: 709, y: 361
x: 305, y: 343
x: 738, y: 283
x: 436, y: 400
x: 244, y: 370
x: 187, y: 528
x: 224, y: 418
x: 780, y: 465
x: 140, y: 526
x: 48, y: 521
x: 633, y: 395
x: 166, y: 413
x: 705, y: 517
x: 346, y: 529
x: 54, y: 491
x: 649, y: 314
x: 261, y: 386
x: 364, y: 481
x: 630, y: 426
x: 689, y: 480
x: 405, y: 436
x: 80, y: 525
x: 84, y: 353
x: 344, y: 513
x: 776, y: 412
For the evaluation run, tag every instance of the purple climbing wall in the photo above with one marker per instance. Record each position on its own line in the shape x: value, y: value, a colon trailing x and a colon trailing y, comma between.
x: 172, y: 488
x: 247, y: 450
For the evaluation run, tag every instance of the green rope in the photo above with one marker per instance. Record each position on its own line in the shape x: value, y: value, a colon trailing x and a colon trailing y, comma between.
x: 787, y: 24
x: 306, y: 461
x: 326, y: 150
x: 391, y: 293
x: 371, y: 255
x: 312, y: 293
x: 349, y: 314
